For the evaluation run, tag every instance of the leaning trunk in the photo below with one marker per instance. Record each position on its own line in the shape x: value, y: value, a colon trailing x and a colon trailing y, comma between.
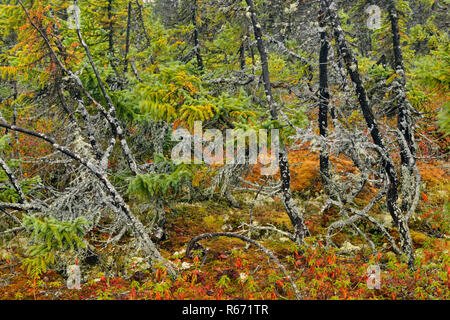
x: 351, y: 64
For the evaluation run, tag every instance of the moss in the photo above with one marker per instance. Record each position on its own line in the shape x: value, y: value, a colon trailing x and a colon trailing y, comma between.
x: 213, y: 222
x: 388, y: 256
x: 418, y: 238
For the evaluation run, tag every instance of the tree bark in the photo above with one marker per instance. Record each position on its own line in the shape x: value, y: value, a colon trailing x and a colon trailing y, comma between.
x: 138, y: 228
x: 405, y: 123
x: 127, y: 40
x: 111, y: 39
x: 351, y: 64
x: 296, y: 217
x: 196, y: 37
x: 324, y: 100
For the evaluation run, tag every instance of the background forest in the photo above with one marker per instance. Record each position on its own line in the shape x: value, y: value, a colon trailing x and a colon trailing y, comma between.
x: 92, y: 90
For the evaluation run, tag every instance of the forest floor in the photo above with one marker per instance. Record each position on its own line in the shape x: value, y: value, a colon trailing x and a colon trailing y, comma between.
x: 230, y: 270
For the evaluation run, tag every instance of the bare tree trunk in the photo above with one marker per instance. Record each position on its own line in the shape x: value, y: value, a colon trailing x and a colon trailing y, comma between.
x: 16, y: 137
x: 111, y: 39
x: 351, y: 64
x: 242, y: 55
x: 296, y: 217
x: 141, y: 21
x: 127, y: 40
x: 196, y: 37
x: 324, y: 100
x: 138, y: 228
x: 405, y: 123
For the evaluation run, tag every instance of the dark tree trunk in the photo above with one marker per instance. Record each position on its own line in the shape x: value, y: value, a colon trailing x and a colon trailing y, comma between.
x: 127, y: 40
x: 196, y: 37
x: 351, y: 64
x: 404, y: 116
x: 111, y: 40
x: 294, y: 214
x: 141, y: 22
x: 242, y: 55
x: 405, y: 123
x: 324, y: 100
x: 16, y: 137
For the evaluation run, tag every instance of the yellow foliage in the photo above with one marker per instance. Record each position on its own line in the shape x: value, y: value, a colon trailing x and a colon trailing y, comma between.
x: 191, y: 113
x: 433, y: 176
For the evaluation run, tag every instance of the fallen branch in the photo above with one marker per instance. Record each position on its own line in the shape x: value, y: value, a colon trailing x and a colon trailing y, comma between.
x: 137, y: 226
